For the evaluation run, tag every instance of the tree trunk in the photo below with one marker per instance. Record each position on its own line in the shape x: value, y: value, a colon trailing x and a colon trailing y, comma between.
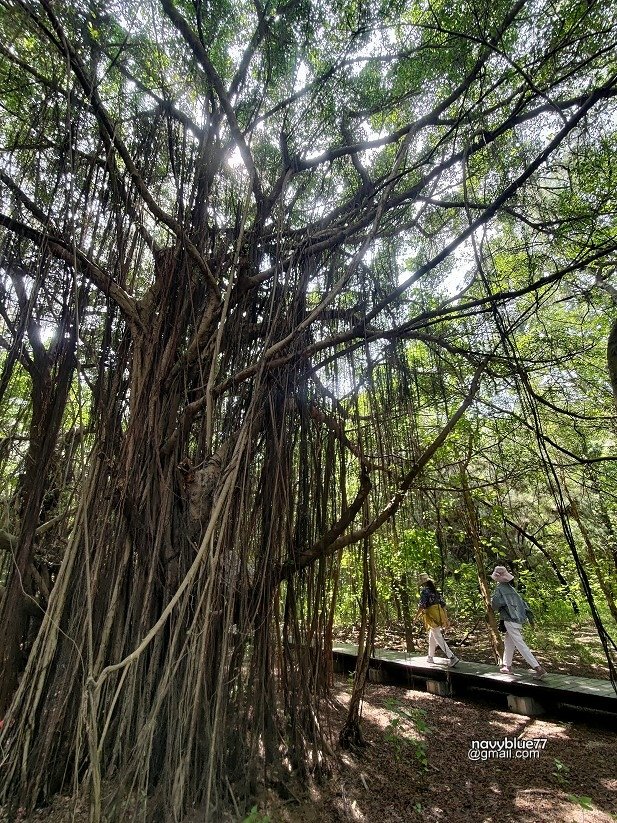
x: 51, y: 379
x: 592, y: 557
x: 351, y: 735
x: 480, y: 557
x: 611, y: 358
x: 406, y: 609
x: 166, y: 603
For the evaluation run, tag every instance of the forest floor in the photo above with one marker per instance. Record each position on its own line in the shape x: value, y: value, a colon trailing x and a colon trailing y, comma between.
x: 417, y: 766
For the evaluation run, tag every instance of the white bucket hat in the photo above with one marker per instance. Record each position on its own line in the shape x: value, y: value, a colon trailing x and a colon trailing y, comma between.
x: 502, y: 575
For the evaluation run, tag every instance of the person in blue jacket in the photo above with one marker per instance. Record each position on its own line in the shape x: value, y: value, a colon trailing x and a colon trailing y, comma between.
x: 514, y: 613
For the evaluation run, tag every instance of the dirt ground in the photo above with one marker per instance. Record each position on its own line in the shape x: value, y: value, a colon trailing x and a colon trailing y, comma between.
x: 418, y: 766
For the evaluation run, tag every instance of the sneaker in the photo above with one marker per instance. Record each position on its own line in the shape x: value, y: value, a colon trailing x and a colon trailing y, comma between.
x: 539, y: 673
x: 452, y: 661
x: 505, y: 670
x: 430, y: 659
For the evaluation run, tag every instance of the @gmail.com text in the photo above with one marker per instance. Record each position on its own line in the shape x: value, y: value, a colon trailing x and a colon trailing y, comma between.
x: 522, y: 748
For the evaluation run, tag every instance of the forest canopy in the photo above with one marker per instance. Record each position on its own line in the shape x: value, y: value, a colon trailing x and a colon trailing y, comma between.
x: 298, y: 299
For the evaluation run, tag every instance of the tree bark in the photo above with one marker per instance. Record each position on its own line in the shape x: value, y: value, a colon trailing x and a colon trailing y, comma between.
x: 351, y: 735
x: 51, y: 378
x: 480, y: 558
x: 592, y: 557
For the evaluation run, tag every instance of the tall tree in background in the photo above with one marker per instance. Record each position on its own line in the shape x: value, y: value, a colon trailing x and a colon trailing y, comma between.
x: 216, y: 220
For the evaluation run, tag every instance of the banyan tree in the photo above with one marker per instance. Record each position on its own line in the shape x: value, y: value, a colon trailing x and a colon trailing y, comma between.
x: 223, y: 227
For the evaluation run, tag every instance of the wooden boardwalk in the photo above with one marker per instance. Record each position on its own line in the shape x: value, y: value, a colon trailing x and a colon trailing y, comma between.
x: 525, y: 694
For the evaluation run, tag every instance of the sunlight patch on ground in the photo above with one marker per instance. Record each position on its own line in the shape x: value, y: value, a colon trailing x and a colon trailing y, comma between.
x: 505, y: 724
x: 347, y: 806
x: 532, y: 805
x: 351, y: 810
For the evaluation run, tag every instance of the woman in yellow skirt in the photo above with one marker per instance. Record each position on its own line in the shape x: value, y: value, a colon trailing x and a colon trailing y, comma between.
x: 433, y: 610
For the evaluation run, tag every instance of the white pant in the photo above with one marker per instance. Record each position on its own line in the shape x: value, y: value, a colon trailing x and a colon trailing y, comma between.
x: 513, y: 639
x: 435, y: 638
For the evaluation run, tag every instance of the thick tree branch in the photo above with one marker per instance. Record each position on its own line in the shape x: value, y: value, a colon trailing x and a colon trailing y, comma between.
x: 111, y: 134
x: 204, y: 61
x: 334, y: 540
x: 63, y: 250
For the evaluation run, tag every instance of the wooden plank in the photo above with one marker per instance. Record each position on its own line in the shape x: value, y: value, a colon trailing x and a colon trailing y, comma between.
x: 585, y: 692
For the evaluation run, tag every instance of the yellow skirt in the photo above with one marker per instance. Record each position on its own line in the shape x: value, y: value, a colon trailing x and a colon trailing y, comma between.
x: 435, y: 617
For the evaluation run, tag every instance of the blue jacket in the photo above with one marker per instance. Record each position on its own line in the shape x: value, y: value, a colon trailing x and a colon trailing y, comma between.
x: 429, y: 598
x: 508, y: 602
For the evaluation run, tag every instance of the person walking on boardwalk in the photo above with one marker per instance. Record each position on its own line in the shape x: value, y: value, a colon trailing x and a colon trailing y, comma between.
x: 513, y: 612
x: 433, y: 610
